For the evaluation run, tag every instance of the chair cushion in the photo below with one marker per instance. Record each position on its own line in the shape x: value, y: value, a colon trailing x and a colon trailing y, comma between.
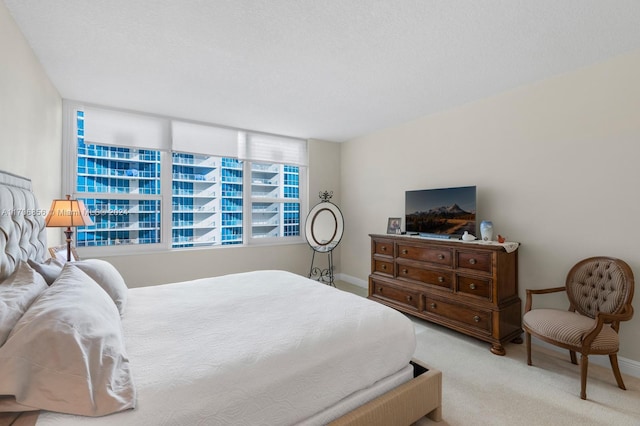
x: 570, y: 328
x: 598, y: 286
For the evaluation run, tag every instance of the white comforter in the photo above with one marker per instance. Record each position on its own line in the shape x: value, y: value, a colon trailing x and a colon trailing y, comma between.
x: 258, y: 348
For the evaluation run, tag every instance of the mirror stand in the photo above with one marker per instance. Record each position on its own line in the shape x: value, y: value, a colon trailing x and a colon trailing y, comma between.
x: 323, y: 231
x: 322, y: 275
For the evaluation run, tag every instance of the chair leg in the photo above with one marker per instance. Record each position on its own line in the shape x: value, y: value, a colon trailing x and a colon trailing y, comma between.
x: 527, y: 339
x: 584, y: 364
x: 616, y: 370
x: 574, y: 360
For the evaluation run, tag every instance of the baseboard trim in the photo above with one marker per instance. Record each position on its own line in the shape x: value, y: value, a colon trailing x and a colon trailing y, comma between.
x: 352, y: 280
x: 627, y: 366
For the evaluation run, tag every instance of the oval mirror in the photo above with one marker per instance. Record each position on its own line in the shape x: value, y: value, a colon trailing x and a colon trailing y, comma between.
x: 324, y: 226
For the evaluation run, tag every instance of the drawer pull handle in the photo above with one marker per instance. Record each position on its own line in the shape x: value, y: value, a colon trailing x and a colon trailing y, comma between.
x: 409, y: 298
x: 383, y: 248
x: 405, y: 251
x: 433, y: 306
x: 405, y: 271
x: 473, y: 261
x: 472, y: 286
x: 441, y: 256
x: 384, y: 267
x: 476, y: 318
x: 379, y: 289
x: 440, y: 279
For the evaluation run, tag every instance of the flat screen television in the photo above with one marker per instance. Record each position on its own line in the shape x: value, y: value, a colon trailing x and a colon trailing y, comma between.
x: 441, y: 212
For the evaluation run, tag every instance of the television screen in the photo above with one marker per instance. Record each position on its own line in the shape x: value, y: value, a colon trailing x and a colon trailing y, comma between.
x: 442, y: 212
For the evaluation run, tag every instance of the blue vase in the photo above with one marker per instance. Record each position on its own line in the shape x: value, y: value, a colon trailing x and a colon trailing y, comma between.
x: 486, y: 230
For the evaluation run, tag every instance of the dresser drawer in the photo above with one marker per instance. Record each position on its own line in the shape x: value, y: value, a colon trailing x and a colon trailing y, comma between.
x: 474, y: 286
x: 437, y: 278
x: 474, y: 260
x: 395, y: 294
x: 383, y: 247
x: 383, y: 267
x: 476, y: 318
x: 438, y: 256
x: 468, y: 287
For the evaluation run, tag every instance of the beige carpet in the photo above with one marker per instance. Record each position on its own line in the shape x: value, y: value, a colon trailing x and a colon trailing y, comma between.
x: 480, y: 388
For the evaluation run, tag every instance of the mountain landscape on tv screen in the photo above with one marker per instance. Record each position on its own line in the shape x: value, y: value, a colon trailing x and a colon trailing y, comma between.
x: 451, y: 220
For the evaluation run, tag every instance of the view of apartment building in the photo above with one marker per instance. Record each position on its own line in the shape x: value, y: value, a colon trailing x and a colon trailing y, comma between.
x: 122, y: 189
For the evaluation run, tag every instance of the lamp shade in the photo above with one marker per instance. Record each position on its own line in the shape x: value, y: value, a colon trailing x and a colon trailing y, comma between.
x: 68, y: 213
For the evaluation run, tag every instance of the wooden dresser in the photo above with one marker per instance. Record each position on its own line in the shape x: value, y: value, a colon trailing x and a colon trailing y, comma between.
x: 468, y: 287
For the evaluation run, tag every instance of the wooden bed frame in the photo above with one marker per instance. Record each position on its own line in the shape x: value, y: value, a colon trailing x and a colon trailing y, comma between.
x: 403, y: 405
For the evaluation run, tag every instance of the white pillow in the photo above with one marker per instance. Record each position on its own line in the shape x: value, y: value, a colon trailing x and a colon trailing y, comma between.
x: 50, y: 269
x: 67, y: 352
x: 17, y: 292
x: 108, y: 277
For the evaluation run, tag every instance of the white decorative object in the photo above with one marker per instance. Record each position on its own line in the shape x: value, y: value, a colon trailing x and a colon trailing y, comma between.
x: 468, y: 237
x: 486, y: 230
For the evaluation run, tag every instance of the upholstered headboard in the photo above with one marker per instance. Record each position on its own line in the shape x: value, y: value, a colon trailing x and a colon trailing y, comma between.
x: 22, y: 232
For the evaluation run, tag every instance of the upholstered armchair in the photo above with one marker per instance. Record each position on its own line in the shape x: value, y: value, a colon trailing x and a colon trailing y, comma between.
x: 600, y: 291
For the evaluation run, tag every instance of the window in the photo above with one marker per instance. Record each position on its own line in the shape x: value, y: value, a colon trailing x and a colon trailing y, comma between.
x: 155, y: 182
x: 121, y: 189
x: 206, y: 200
x: 273, y: 188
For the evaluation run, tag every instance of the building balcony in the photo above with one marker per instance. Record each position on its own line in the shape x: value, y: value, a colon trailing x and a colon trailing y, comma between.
x: 273, y: 221
x: 130, y: 174
x: 204, y: 162
x: 231, y: 179
x: 264, y: 182
x: 271, y: 168
x: 189, y: 193
x: 192, y: 177
x: 190, y: 224
x: 232, y: 194
x: 201, y: 210
x: 271, y: 234
x: 264, y: 192
x: 126, y: 226
x: 207, y: 239
x: 134, y: 157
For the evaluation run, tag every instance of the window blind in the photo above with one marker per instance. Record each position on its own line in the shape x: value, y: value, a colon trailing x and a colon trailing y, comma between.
x: 203, y: 139
x: 272, y: 149
x: 109, y: 127
x: 118, y: 128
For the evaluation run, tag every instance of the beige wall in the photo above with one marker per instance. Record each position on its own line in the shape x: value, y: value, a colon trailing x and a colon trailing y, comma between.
x: 30, y: 117
x: 324, y: 158
x: 556, y: 163
x: 181, y: 265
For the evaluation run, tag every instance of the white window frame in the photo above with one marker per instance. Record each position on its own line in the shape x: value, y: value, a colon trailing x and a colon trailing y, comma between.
x: 69, y: 182
x: 248, y: 199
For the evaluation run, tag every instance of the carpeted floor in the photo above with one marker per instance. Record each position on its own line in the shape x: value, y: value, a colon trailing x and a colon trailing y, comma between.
x: 479, y: 388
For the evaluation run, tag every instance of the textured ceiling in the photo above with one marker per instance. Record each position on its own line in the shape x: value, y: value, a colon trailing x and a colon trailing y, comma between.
x: 332, y: 70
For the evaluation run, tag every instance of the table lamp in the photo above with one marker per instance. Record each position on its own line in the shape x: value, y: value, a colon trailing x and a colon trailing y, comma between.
x: 68, y: 213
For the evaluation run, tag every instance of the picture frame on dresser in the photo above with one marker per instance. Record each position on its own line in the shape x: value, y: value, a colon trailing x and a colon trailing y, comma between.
x: 60, y: 253
x: 394, y: 225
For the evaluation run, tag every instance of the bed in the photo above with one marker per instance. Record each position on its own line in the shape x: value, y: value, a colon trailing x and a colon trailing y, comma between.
x: 256, y: 348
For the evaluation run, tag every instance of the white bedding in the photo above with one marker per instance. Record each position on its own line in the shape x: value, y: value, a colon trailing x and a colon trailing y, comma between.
x: 259, y: 348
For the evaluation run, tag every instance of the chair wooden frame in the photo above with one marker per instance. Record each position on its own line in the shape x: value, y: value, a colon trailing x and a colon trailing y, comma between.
x: 623, y: 313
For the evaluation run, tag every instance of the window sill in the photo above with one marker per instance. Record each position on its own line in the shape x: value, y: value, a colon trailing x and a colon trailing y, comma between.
x: 124, y: 250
